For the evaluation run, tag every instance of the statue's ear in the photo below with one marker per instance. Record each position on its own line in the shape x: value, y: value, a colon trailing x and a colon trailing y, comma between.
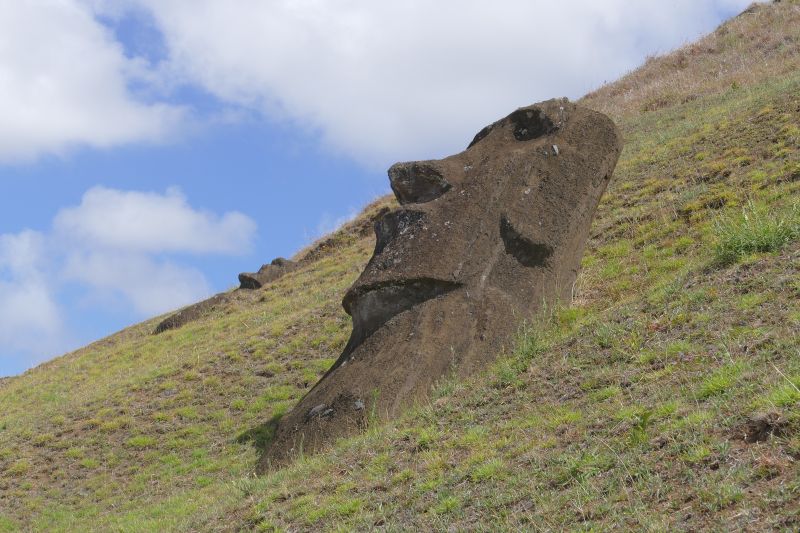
x: 522, y: 243
x: 418, y: 182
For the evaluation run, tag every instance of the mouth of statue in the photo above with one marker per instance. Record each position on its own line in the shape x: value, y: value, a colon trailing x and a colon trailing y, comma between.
x: 371, y: 306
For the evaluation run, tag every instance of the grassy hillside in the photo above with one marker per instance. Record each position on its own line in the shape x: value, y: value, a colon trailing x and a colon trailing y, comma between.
x: 665, y: 397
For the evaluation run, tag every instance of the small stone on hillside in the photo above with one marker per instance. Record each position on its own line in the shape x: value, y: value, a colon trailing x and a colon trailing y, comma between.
x: 759, y: 427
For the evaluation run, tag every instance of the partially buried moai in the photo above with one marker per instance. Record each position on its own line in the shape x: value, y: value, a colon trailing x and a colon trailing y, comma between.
x: 482, y: 240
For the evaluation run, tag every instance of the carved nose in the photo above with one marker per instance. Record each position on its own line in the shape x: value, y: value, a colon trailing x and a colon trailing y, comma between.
x: 417, y: 182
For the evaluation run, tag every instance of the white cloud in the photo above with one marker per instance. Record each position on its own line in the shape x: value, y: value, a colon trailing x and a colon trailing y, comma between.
x: 30, y: 319
x: 116, y: 246
x: 392, y: 80
x: 151, y: 286
x: 63, y: 83
x: 150, y: 222
x: 379, y: 81
x: 117, y: 242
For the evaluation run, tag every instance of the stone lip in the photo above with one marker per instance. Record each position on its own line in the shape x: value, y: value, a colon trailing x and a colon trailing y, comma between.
x: 372, y: 306
x: 481, y: 240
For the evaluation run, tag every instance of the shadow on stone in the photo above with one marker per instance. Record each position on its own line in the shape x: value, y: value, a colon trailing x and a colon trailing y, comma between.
x: 260, y: 437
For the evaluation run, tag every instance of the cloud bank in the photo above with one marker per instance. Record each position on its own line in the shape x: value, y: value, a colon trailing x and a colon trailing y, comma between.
x: 151, y: 222
x: 382, y: 81
x: 30, y: 320
x: 127, y: 247
x: 64, y: 82
x: 377, y: 81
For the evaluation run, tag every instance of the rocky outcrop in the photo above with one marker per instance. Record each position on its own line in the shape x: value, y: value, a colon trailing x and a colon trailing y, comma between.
x: 481, y: 241
x: 191, y: 313
x: 266, y: 274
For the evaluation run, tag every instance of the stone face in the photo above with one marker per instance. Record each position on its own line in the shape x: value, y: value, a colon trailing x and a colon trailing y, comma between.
x: 266, y: 274
x: 482, y: 240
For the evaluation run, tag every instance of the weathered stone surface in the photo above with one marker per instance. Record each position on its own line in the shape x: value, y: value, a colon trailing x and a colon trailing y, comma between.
x: 482, y: 240
x: 266, y: 274
x: 417, y: 182
x: 191, y: 313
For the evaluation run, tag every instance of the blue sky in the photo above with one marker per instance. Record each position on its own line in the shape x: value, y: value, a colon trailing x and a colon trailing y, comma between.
x: 150, y: 150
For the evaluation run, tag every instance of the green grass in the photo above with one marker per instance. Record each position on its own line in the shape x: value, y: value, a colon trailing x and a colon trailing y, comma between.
x: 146, y: 427
x: 720, y: 381
x: 786, y: 394
x: 755, y: 229
x: 620, y: 411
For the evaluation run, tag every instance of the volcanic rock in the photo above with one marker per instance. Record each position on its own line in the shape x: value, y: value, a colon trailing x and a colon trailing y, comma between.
x: 267, y: 273
x: 191, y: 313
x: 481, y: 241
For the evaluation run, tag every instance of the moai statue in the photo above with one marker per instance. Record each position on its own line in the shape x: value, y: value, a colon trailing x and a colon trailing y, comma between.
x: 482, y: 240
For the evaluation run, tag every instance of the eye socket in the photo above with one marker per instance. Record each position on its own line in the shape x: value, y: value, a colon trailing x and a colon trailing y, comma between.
x: 530, y: 124
x: 417, y: 182
x: 527, y: 124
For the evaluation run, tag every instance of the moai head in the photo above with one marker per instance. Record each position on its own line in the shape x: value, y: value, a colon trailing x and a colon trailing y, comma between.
x: 481, y: 241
